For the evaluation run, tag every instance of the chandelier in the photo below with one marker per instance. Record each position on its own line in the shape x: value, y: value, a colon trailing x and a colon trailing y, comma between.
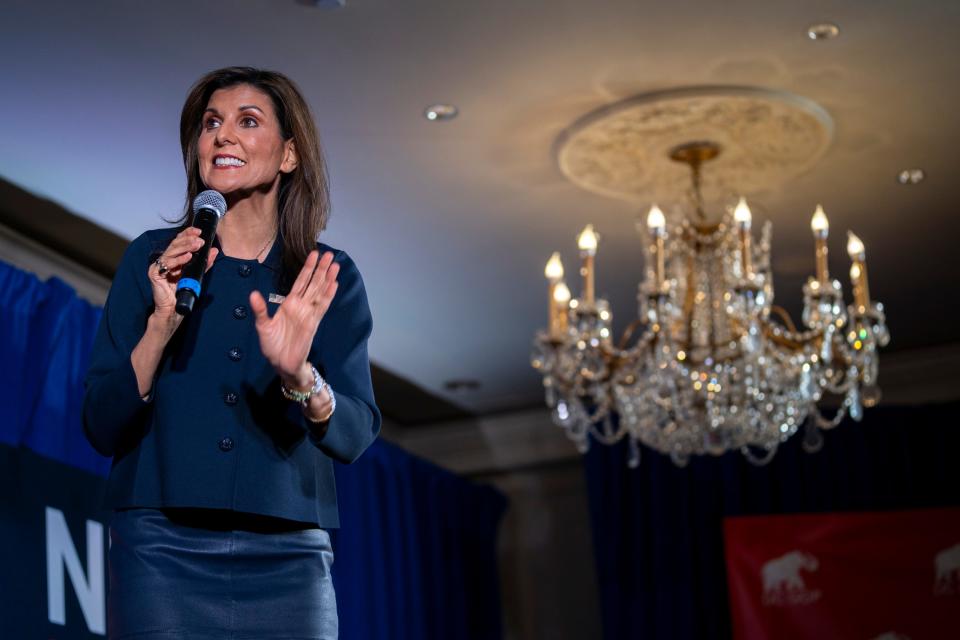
x: 710, y: 364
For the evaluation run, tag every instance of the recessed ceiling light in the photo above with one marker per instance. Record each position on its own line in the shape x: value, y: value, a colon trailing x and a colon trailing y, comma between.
x: 911, y: 176
x: 823, y: 31
x: 324, y: 4
x: 440, y: 112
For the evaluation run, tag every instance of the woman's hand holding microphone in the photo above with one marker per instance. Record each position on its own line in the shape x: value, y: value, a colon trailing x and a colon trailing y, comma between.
x: 163, y: 322
x: 164, y: 274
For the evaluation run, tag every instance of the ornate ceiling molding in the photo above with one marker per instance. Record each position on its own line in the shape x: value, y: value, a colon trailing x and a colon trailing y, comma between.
x: 766, y: 137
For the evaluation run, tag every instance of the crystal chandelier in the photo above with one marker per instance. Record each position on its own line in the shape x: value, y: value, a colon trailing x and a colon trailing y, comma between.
x: 711, y: 364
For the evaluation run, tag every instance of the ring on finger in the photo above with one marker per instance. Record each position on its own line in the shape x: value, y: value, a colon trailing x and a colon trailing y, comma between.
x: 161, y: 268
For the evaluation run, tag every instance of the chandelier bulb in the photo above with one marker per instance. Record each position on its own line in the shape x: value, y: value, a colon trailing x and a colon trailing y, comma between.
x: 561, y: 294
x: 587, y: 240
x: 655, y: 219
x: 742, y: 213
x: 855, y: 248
x: 554, y: 269
x: 819, y: 223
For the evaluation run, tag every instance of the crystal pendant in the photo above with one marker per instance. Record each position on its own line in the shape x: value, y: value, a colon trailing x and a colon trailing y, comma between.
x: 752, y: 339
x: 715, y: 442
x: 856, y: 408
x: 562, y: 416
x: 551, y: 396
x: 679, y: 459
x: 762, y: 459
x: 826, y: 349
x: 538, y: 358
x: 812, y: 438
x: 633, y: 461
x: 807, y: 388
x: 870, y: 395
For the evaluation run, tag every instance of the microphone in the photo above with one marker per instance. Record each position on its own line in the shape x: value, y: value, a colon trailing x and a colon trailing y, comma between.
x: 208, y: 207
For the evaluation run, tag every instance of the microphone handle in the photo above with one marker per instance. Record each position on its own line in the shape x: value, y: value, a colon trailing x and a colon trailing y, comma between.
x: 191, y: 278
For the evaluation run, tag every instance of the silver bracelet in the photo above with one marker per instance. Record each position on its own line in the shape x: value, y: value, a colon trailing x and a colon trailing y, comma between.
x: 333, y: 404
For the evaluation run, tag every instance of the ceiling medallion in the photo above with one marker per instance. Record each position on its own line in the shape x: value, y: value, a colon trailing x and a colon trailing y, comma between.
x: 768, y: 138
x: 710, y: 364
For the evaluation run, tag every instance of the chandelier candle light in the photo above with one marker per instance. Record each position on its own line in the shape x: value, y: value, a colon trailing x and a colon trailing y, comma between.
x: 711, y: 364
x: 658, y: 228
x: 587, y: 242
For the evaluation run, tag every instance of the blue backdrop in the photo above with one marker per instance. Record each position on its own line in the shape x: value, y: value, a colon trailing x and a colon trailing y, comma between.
x: 658, y: 529
x: 415, y: 556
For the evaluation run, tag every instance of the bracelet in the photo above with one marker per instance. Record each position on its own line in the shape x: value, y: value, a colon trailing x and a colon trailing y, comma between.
x: 303, y: 397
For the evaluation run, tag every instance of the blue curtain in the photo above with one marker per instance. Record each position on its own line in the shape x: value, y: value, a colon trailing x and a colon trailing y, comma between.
x: 657, y: 529
x: 416, y: 553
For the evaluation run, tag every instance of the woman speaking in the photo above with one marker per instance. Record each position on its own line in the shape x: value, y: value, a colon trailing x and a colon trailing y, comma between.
x: 223, y: 424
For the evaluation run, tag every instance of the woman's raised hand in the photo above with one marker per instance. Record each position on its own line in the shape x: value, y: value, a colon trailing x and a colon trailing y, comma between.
x: 174, y: 258
x: 285, y: 338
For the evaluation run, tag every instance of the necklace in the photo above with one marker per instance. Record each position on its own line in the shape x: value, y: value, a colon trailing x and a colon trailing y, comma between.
x: 265, y: 245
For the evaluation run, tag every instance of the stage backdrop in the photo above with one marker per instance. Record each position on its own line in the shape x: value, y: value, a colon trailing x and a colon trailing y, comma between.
x: 886, y: 575
x: 415, y: 557
x: 658, y: 530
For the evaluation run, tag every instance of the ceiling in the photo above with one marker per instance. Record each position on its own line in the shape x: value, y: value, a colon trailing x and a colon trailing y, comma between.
x: 451, y: 222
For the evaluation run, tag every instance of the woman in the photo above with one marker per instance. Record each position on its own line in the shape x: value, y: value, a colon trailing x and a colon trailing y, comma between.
x: 223, y: 425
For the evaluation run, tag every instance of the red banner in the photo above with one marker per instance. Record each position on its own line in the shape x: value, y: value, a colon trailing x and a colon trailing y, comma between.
x: 872, y: 576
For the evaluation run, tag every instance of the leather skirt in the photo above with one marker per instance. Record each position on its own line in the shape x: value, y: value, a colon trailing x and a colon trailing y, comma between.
x: 200, y: 574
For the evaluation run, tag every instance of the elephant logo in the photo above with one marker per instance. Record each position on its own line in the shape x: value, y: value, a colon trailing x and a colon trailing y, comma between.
x: 946, y: 565
x: 782, y: 583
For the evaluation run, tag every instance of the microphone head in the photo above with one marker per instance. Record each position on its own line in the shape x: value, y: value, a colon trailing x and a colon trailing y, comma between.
x: 212, y: 200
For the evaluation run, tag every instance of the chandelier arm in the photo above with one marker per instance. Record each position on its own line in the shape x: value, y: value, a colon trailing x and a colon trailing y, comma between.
x: 845, y: 376
x: 795, y: 341
x: 787, y: 320
x: 644, y: 343
x: 628, y: 332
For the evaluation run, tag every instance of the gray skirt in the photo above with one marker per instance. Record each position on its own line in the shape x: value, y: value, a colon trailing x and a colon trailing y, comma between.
x: 203, y: 576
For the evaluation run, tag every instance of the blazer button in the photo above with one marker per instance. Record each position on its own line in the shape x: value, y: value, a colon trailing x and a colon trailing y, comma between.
x: 240, y: 311
x: 245, y: 270
x: 231, y: 398
x: 225, y: 444
x: 235, y: 354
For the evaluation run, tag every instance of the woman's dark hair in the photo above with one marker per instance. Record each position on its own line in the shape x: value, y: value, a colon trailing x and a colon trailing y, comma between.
x: 304, y: 196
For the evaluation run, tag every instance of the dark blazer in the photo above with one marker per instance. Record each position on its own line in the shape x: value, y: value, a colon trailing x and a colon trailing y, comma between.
x: 216, y: 431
